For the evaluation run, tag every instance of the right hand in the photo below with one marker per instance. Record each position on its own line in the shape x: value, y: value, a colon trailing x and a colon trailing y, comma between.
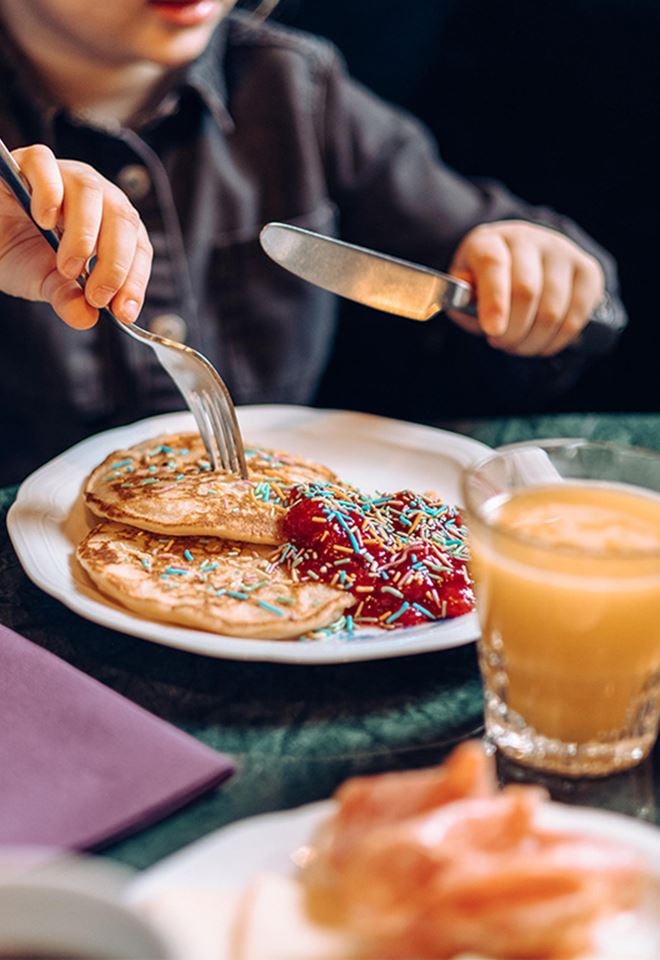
x: 94, y: 217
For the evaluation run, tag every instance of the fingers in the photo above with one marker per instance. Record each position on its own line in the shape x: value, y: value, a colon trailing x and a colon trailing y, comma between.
x: 587, y: 293
x: 527, y: 287
x: 116, y: 247
x: 486, y: 255
x: 67, y: 300
x: 39, y: 166
x: 96, y: 219
x: 536, y: 289
x: 82, y: 216
x: 555, y: 297
x: 128, y: 302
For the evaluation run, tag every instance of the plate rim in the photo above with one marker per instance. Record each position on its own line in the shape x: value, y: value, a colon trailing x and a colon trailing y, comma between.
x: 106, y: 614
x: 597, y: 821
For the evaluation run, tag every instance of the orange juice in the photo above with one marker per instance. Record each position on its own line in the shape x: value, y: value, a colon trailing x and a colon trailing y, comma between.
x: 568, y: 591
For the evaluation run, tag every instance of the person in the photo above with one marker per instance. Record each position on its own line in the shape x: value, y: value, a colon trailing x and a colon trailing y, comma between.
x: 213, y: 126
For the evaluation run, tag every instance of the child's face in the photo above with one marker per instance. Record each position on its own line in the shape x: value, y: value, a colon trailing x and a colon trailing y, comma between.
x: 115, y: 32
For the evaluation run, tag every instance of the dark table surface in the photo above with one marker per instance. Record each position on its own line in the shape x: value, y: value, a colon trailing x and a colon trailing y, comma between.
x: 297, y: 731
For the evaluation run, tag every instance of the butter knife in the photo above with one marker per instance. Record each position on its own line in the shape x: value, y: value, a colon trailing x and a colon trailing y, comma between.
x: 392, y: 285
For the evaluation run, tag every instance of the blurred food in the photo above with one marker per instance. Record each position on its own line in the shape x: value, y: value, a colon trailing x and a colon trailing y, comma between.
x: 439, y: 863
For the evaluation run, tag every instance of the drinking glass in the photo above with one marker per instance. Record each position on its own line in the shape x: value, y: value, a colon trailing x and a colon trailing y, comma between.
x: 565, y: 541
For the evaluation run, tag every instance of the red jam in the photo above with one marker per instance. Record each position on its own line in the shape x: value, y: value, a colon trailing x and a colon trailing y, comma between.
x: 402, y: 556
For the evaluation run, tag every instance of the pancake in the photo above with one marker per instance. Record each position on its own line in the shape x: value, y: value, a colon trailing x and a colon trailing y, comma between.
x: 166, y: 485
x: 207, y: 583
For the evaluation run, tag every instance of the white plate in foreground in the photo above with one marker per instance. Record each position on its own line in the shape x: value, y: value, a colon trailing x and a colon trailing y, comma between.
x: 48, y: 519
x: 199, y: 885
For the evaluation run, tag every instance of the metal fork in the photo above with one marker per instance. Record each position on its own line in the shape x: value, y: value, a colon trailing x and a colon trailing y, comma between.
x: 200, y: 384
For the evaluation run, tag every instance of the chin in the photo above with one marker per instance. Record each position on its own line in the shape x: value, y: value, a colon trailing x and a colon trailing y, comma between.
x: 174, y: 49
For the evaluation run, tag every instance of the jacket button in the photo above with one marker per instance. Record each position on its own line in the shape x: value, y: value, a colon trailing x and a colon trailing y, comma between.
x: 169, y: 325
x: 135, y: 181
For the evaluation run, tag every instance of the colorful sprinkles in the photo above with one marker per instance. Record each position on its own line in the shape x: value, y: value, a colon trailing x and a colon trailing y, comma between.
x: 401, y: 556
x: 163, y: 463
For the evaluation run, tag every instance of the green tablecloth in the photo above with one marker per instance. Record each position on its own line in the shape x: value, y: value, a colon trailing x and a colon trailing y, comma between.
x: 297, y: 731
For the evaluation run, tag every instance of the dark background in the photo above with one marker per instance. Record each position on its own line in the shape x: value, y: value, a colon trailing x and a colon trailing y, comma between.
x: 559, y: 99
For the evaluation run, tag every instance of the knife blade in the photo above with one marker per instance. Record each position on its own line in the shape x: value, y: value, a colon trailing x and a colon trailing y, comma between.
x: 374, y: 279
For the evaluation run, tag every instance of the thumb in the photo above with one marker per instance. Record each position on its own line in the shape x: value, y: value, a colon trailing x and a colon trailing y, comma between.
x: 68, y: 301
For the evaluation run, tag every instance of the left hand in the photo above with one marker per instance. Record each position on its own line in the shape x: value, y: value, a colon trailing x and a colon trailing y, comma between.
x: 536, y: 289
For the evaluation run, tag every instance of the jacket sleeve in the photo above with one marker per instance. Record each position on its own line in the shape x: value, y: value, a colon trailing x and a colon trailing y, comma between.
x: 395, y: 194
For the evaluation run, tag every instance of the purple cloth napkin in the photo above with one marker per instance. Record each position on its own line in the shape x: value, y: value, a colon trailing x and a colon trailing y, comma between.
x: 81, y: 765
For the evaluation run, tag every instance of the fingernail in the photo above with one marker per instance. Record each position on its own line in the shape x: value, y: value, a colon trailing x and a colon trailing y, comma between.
x: 129, y: 310
x: 73, y: 267
x: 100, y: 296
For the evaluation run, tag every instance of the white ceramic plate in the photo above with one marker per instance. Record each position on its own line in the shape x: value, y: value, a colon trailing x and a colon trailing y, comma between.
x: 48, y: 519
x: 217, y: 867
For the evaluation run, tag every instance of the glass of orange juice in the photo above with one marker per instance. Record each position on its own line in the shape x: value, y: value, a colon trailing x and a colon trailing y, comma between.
x: 565, y: 541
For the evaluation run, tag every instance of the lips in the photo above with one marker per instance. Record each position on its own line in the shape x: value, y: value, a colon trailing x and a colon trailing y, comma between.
x: 184, y: 13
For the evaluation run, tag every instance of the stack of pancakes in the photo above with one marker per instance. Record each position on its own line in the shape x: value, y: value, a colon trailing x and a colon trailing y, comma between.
x: 187, y: 545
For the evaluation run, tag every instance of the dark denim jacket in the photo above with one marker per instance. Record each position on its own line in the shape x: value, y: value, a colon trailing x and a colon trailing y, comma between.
x: 265, y: 126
